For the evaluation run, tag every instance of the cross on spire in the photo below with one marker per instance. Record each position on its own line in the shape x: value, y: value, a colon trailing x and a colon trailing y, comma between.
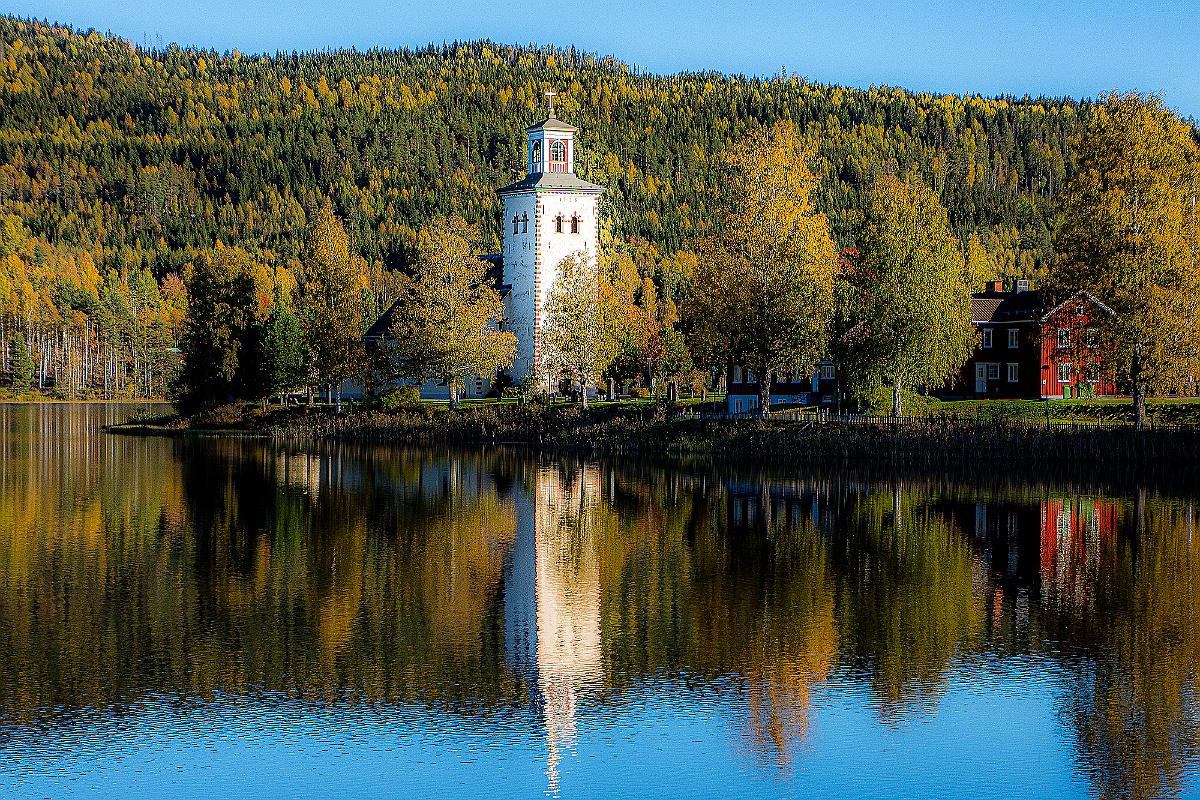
x: 550, y: 95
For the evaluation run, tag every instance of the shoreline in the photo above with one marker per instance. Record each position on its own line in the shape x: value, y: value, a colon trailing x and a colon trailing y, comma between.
x: 649, y: 430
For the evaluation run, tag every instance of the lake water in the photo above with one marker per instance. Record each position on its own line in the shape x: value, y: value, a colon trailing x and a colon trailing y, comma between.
x: 216, y: 618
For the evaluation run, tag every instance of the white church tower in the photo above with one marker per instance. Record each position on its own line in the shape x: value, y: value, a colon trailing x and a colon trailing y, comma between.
x: 547, y: 216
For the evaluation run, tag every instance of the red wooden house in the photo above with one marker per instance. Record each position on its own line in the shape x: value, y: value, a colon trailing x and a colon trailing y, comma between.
x: 1026, y: 350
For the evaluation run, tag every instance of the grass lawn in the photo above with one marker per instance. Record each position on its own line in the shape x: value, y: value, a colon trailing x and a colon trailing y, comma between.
x: 1171, y: 410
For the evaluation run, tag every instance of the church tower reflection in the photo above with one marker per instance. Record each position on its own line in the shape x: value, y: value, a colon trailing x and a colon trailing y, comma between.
x: 552, y: 600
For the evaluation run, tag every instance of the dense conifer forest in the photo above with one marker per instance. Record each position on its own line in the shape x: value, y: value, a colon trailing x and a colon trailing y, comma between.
x: 120, y: 164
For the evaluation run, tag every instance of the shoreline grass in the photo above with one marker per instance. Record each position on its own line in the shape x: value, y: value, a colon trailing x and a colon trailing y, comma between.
x: 655, y: 428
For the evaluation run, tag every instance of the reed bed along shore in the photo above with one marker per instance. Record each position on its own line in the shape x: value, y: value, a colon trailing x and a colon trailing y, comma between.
x: 656, y: 429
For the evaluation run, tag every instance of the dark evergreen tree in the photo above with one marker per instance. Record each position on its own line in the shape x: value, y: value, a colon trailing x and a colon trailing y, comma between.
x: 22, y: 363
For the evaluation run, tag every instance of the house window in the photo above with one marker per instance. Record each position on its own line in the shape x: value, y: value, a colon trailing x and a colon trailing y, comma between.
x: 1064, y: 338
x: 1014, y: 337
x: 1012, y: 373
x: 796, y: 377
x: 987, y: 337
x: 1093, y: 336
x: 749, y: 377
x: 1093, y: 373
x: 524, y: 223
x: 828, y: 372
x: 575, y: 223
x: 558, y: 152
x: 993, y: 372
x: 1079, y: 311
x: 737, y: 374
x: 1064, y: 373
x: 558, y: 224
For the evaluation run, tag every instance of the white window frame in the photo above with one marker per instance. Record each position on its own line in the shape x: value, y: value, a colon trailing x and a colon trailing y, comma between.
x: 1063, y: 338
x: 1014, y: 338
x: 829, y: 372
x: 737, y: 374
x: 1067, y: 377
x: 1013, y: 373
x: 993, y: 372
x: 987, y: 338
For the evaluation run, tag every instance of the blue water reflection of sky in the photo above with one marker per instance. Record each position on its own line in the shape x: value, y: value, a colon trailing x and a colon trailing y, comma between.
x: 992, y: 730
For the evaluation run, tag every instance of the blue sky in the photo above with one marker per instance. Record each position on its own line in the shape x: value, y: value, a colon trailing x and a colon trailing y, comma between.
x: 1065, y: 47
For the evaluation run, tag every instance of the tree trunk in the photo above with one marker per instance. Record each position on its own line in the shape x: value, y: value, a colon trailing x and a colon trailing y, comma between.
x: 453, y: 387
x: 583, y: 394
x: 764, y: 393
x: 1139, y: 391
x: 896, y: 409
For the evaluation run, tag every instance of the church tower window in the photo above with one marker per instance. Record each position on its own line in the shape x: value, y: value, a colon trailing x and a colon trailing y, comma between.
x: 524, y: 223
x: 536, y: 158
x: 516, y: 224
x: 558, y: 156
x: 574, y: 223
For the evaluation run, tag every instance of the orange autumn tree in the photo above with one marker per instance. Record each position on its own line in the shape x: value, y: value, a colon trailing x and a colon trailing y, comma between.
x: 762, y: 291
x: 1129, y: 236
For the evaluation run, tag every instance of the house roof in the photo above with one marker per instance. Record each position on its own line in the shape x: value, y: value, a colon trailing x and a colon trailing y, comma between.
x: 1081, y: 295
x: 551, y: 180
x: 494, y: 274
x: 551, y: 123
x: 1024, y: 306
x: 1006, y: 306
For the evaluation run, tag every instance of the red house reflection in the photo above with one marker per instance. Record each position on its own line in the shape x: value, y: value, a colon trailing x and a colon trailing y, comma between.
x: 1076, y: 534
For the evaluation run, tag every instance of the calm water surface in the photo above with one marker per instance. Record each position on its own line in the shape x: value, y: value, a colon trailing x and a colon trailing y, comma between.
x: 219, y: 618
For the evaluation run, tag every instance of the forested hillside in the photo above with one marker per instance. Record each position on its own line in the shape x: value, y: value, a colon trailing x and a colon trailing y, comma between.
x: 120, y: 164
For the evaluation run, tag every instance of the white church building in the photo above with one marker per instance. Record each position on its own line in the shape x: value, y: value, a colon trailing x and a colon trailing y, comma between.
x: 548, y: 215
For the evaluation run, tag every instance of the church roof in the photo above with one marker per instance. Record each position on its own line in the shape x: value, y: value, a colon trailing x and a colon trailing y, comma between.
x: 551, y: 123
x: 494, y: 275
x: 551, y: 180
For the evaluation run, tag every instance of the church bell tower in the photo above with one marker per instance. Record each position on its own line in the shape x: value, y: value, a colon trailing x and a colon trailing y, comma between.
x: 549, y: 215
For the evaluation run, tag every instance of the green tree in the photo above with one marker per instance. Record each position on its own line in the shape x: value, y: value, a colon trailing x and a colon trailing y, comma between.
x: 22, y: 363
x: 762, y: 292
x: 980, y: 266
x: 335, y: 281
x: 279, y: 359
x: 446, y: 325
x: 220, y: 313
x: 1129, y: 237
x: 908, y: 291
x: 579, y: 332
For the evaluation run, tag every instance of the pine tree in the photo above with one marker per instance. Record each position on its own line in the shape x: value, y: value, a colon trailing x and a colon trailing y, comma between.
x: 22, y: 363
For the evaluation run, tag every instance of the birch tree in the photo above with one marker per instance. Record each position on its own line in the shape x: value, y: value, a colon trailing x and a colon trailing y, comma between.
x: 762, y: 293
x: 1129, y: 236
x: 335, y: 281
x: 580, y: 330
x: 909, y: 290
x: 446, y: 325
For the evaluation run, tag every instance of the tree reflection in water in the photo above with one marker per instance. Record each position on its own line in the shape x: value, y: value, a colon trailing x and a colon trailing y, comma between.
x: 486, y: 584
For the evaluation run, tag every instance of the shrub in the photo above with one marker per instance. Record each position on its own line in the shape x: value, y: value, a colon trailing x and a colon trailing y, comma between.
x: 510, y: 393
x: 406, y: 398
x: 638, y: 393
x: 220, y: 417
